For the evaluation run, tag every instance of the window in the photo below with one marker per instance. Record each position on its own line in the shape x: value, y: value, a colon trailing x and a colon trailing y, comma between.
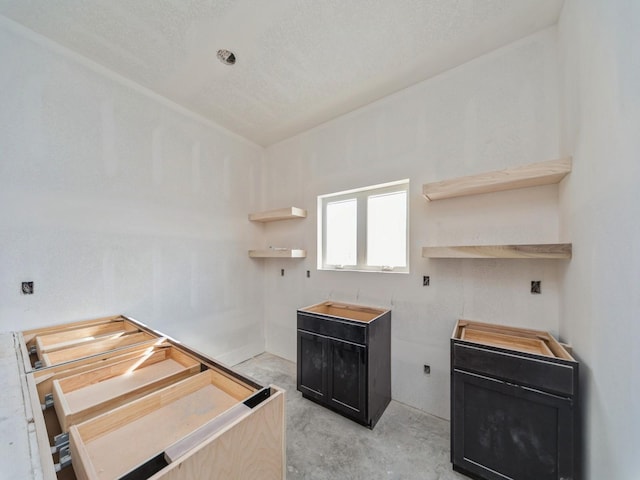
x: 365, y: 229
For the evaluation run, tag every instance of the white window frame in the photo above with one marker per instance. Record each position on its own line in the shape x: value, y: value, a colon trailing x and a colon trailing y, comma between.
x: 360, y: 195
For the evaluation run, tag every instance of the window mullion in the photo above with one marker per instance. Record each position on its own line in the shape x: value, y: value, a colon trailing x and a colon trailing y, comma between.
x: 324, y: 233
x: 362, y: 231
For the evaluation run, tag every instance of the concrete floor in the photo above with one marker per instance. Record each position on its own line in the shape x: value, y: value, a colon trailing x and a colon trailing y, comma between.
x: 405, y: 444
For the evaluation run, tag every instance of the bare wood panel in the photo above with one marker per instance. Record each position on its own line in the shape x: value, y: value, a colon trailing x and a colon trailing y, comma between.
x: 44, y: 377
x: 343, y: 310
x: 531, y: 175
x: 212, y: 427
x: 468, y: 329
x: 253, y: 447
x: 128, y: 367
x: 132, y: 440
x: 512, y: 342
x: 59, y: 340
x: 80, y: 397
x: 25, y: 443
x: 230, y: 386
x: 543, y: 250
x: 287, y: 213
x: 110, y: 421
x: 278, y: 253
x: 101, y: 346
x: 30, y: 335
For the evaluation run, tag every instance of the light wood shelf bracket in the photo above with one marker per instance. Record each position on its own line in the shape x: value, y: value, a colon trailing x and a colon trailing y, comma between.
x: 531, y: 175
x: 287, y: 213
x: 533, y: 251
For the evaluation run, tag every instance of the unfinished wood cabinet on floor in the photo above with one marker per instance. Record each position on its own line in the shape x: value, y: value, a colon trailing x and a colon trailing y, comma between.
x: 344, y: 359
x: 114, y: 399
x: 514, y: 404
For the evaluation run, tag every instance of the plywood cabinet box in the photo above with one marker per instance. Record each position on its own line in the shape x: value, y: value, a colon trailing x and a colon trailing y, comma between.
x: 344, y: 359
x: 116, y: 399
x: 514, y: 404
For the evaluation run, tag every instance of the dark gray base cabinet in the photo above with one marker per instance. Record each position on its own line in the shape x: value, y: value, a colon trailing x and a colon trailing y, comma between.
x: 514, y: 415
x: 345, y: 365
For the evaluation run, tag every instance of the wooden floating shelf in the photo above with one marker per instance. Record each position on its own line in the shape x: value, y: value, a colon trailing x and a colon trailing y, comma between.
x: 279, y: 214
x: 534, y: 174
x: 277, y: 253
x: 543, y: 250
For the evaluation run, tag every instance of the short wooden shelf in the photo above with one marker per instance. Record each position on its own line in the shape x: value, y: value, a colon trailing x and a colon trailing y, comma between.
x: 534, y: 174
x: 278, y: 253
x: 542, y: 250
x: 287, y: 213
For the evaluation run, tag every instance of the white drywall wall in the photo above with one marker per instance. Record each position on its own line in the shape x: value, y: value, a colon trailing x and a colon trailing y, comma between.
x: 600, y: 211
x: 498, y: 111
x: 113, y: 200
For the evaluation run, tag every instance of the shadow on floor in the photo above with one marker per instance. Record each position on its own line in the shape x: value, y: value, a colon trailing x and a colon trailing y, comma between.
x: 405, y: 444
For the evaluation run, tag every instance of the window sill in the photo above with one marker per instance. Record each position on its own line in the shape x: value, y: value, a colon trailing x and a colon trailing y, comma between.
x: 406, y: 272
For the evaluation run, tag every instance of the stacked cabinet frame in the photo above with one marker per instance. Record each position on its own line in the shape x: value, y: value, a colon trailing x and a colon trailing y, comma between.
x: 514, y: 404
x: 112, y: 398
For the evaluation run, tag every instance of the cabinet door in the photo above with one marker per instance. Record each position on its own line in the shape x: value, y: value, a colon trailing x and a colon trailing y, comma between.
x: 505, y: 431
x: 347, y: 378
x: 312, y: 365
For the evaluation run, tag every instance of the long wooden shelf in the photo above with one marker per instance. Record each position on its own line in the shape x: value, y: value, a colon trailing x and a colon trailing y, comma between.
x: 278, y: 253
x: 541, y: 250
x: 287, y: 213
x: 534, y: 174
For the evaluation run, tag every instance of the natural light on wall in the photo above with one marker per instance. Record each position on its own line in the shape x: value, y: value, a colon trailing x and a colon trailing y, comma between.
x: 364, y: 229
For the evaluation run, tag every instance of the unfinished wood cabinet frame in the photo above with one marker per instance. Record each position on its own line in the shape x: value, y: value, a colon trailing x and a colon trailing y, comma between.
x: 30, y: 335
x: 39, y: 343
x: 512, y: 338
x: 44, y: 378
x: 241, y: 420
x: 253, y: 446
x: 59, y: 340
x: 144, y: 428
x: 92, y: 348
x: 531, y: 175
x: 85, y: 395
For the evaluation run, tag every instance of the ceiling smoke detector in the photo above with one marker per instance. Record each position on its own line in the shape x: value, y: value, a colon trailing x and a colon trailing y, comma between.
x: 226, y: 57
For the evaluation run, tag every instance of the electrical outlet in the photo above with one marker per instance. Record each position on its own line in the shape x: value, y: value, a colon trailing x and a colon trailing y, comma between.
x: 425, y: 281
x: 282, y: 272
x: 536, y: 287
x: 427, y: 369
x: 27, y: 288
x: 308, y: 274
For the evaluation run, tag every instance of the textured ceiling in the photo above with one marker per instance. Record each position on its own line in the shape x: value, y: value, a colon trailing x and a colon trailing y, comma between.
x: 300, y: 62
